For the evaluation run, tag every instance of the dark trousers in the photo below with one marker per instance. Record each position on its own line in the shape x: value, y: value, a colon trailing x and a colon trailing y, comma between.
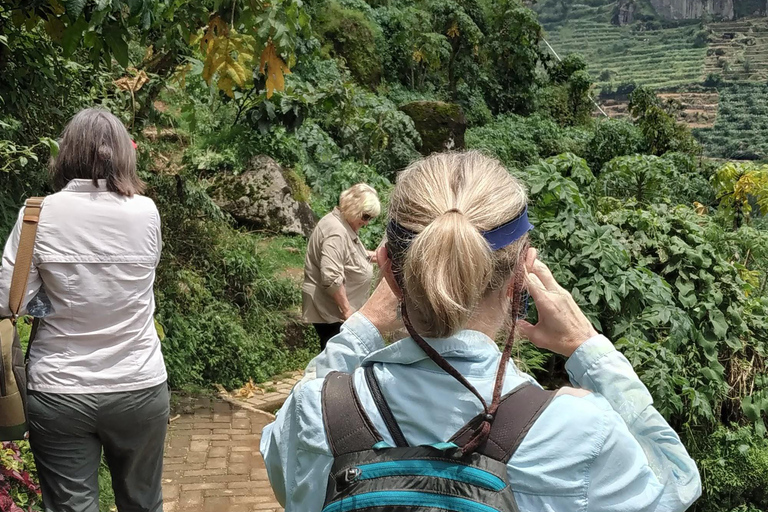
x: 68, y: 433
x: 326, y: 332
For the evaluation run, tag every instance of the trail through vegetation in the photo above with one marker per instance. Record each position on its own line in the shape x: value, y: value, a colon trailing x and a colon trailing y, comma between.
x: 666, y: 250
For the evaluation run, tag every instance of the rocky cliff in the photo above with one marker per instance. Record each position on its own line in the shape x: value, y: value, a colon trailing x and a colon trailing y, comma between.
x: 692, y: 9
x: 721, y: 9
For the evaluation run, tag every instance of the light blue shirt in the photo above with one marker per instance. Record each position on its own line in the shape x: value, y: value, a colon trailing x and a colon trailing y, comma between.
x: 607, y: 451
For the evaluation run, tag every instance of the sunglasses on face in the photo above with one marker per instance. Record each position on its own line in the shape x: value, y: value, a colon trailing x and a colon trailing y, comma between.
x: 366, y: 217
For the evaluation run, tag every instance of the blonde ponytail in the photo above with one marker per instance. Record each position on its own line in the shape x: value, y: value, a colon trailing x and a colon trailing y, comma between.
x: 447, y: 269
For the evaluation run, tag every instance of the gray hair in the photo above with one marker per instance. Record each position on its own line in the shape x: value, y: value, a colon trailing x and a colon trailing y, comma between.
x: 95, y: 145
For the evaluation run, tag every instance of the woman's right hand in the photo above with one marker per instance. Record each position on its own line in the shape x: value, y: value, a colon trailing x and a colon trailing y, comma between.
x: 562, y: 326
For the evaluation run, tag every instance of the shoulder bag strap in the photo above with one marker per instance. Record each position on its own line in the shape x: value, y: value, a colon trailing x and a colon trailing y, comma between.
x: 518, y: 411
x: 24, y: 255
x: 383, y: 407
x: 347, y: 426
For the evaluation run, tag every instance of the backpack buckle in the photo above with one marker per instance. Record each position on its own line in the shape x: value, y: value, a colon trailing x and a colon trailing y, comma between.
x: 348, y: 476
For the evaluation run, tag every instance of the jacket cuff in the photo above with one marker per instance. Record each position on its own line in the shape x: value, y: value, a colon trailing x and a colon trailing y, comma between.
x: 584, y: 357
x: 362, y: 329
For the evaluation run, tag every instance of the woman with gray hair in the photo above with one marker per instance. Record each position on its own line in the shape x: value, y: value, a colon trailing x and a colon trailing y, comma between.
x: 337, y: 268
x: 97, y: 379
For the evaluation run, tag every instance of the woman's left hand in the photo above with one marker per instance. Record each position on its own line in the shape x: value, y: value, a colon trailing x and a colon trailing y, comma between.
x: 373, y: 257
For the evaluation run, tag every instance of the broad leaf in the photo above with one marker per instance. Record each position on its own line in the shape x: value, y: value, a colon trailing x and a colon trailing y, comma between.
x: 117, y: 45
x: 74, y: 8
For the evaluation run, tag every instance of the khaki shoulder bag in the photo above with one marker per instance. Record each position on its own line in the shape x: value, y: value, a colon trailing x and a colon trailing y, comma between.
x: 13, y: 374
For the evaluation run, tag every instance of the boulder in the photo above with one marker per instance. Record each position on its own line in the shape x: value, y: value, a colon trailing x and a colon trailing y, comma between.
x: 262, y: 198
x: 441, y: 125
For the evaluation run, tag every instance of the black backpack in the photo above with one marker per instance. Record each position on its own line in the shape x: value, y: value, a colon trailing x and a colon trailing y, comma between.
x: 368, y: 474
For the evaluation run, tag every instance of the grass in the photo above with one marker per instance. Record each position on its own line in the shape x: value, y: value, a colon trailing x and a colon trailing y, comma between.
x: 106, y: 494
x: 280, y: 253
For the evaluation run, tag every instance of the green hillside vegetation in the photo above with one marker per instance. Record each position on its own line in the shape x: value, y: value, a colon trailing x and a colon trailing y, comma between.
x: 666, y: 251
x: 741, y: 126
x: 690, y: 58
x: 645, y: 52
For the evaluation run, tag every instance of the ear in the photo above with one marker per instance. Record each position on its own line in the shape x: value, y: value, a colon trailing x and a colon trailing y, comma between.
x: 385, y: 264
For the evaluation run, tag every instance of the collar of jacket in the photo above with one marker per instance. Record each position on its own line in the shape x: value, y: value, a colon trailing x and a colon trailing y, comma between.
x: 471, y: 346
x: 337, y: 213
x: 78, y: 185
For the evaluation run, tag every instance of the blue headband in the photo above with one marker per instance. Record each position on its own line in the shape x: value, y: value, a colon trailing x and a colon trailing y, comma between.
x: 507, y: 233
x: 498, y: 237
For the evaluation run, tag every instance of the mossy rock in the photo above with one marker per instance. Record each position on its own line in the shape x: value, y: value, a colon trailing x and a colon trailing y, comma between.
x: 441, y: 125
x: 264, y: 197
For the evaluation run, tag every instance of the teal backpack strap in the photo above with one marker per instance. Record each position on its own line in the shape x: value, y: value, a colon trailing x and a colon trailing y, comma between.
x: 347, y: 426
x: 518, y: 411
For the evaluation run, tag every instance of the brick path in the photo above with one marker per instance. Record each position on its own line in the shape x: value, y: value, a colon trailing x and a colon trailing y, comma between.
x: 275, y: 392
x: 212, y: 459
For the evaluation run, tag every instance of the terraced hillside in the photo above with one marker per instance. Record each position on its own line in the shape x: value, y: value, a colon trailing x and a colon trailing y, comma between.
x: 698, y: 109
x: 663, y: 58
x: 738, y: 50
x: 741, y: 127
x: 717, y: 70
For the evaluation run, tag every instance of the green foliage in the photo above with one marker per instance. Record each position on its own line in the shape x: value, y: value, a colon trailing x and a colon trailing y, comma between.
x: 213, y: 296
x: 611, y: 139
x: 350, y: 35
x: 739, y: 131
x: 520, y: 140
x: 657, y: 123
x: 651, y: 179
x: 734, y: 467
x: 739, y: 187
x: 512, y: 44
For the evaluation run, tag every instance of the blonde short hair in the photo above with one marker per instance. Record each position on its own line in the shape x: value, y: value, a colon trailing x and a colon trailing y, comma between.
x: 448, y: 268
x: 359, y: 200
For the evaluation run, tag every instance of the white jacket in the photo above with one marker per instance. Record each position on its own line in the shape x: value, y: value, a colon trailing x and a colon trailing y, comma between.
x: 95, y: 257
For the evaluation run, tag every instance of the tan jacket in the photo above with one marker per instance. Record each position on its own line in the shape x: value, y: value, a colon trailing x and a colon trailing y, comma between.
x: 335, y: 257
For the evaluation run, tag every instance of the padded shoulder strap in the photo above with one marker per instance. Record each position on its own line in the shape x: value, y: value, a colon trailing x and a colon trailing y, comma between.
x: 347, y: 426
x: 24, y: 254
x: 517, y: 412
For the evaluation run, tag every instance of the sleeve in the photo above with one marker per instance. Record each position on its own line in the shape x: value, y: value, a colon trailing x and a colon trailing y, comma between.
x: 642, y: 465
x: 332, y: 256
x: 6, y: 272
x: 296, y: 472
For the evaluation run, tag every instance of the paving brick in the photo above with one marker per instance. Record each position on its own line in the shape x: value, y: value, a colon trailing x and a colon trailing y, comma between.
x: 191, y: 498
x: 171, y: 492
x: 216, y: 504
x: 218, y: 451
x: 218, y: 463
x: 198, y: 446
x: 202, y: 486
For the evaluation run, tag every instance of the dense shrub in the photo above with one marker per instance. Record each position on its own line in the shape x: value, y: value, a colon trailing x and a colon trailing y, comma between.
x: 351, y: 35
x: 611, y: 139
